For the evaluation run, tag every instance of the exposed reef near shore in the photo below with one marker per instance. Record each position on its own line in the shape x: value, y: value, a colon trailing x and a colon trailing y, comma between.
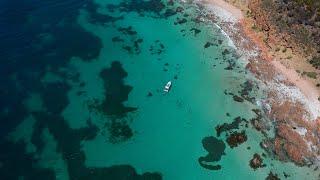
x: 285, y: 108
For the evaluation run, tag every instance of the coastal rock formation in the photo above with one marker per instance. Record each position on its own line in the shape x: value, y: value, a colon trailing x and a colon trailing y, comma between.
x: 269, y: 24
x: 236, y: 139
x: 272, y: 176
x: 256, y: 162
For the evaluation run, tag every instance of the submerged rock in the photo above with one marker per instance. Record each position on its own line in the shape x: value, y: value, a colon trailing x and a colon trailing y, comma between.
x: 229, y: 126
x: 208, y: 44
x: 180, y: 21
x: 195, y: 31
x: 272, y: 176
x: 256, y: 162
x: 236, y: 139
x: 237, y: 98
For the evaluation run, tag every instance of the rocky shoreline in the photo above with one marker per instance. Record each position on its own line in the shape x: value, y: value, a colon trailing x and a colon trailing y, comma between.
x: 290, y: 109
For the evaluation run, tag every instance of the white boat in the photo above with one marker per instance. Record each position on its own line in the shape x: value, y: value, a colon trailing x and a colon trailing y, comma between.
x: 167, y: 87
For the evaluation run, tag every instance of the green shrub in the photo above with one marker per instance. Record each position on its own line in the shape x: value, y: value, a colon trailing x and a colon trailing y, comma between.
x: 284, y: 50
x: 312, y: 75
x: 315, y: 61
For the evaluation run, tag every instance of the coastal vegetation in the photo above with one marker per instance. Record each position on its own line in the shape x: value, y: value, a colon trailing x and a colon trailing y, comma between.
x: 297, y: 23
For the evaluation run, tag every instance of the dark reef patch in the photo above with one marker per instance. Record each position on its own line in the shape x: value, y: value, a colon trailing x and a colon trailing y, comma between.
x: 226, y: 127
x: 135, y: 42
x: 208, y: 44
x: 119, y: 131
x: 169, y: 12
x: 237, y: 98
x: 98, y: 18
x: 247, y: 88
x: 180, y: 21
x: 195, y: 31
x: 256, y: 162
x: 215, y: 149
x: 116, y: 92
x: 236, y: 138
x: 157, y: 48
x: 272, y: 176
x: 69, y: 142
x: 127, y: 30
x: 139, y: 6
x: 69, y: 145
x: 117, y: 39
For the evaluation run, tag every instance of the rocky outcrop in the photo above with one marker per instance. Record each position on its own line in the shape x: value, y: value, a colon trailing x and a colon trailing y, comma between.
x: 256, y: 162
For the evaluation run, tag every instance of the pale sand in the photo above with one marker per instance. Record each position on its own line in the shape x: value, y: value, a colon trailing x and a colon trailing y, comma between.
x: 310, y: 92
x: 305, y: 86
x: 236, y: 13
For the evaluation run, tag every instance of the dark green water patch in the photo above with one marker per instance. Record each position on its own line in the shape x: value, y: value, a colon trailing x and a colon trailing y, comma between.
x: 69, y: 145
x: 29, y: 48
x: 54, y: 97
x: 119, y: 172
x: 69, y: 141
x: 16, y: 164
x: 215, y: 149
x: 157, y: 47
x: 98, y: 18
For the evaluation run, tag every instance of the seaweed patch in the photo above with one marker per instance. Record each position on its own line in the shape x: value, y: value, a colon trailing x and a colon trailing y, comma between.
x: 226, y: 127
x: 215, y: 149
x: 116, y: 92
x: 98, y: 18
x: 195, y: 31
x: 157, y: 48
x: 135, y: 42
x: 139, y: 6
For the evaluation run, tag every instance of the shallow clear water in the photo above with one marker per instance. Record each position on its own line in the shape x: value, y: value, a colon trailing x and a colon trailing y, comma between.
x: 91, y: 101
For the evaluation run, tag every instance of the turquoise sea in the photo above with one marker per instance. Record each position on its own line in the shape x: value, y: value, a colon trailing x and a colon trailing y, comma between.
x: 82, y: 95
